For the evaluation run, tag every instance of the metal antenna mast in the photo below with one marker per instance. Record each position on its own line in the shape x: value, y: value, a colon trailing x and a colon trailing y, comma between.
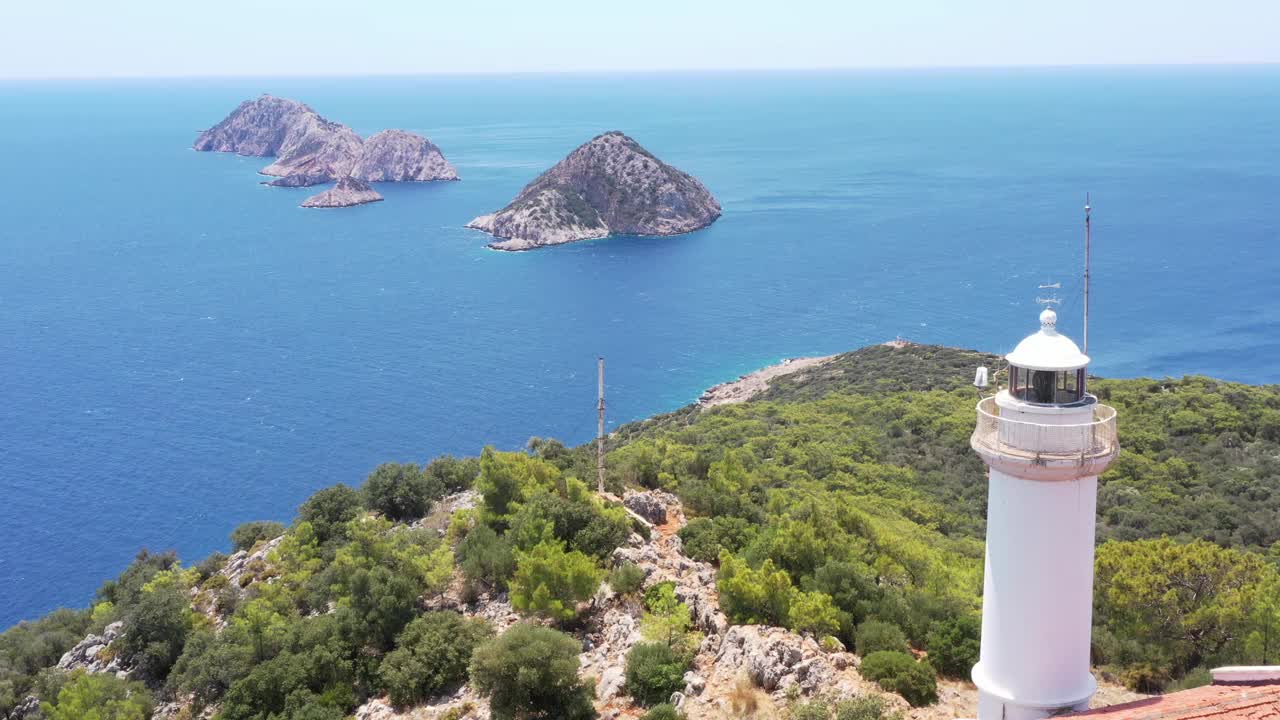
x: 600, y: 434
x: 1087, y: 208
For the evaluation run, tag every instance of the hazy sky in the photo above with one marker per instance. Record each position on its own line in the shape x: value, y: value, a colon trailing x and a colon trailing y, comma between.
x: 93, y: 38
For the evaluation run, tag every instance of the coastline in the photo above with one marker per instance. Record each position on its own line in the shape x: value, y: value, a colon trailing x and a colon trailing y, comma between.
x: 753, y: 383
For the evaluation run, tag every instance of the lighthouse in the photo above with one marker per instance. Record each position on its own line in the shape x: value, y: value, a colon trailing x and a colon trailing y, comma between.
x: 1045, y: 440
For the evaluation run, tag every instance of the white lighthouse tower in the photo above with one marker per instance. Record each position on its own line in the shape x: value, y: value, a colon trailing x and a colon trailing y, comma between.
x: 1045, y: 440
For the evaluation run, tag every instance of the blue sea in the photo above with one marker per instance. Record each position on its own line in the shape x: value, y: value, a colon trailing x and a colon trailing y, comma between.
x: 183, y: 349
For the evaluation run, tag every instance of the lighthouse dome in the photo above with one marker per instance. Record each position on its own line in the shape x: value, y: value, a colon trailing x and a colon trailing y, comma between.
x: 1048, y: 349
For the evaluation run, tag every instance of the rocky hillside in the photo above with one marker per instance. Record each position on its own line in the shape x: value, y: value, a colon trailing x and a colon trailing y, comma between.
x: 608, y: 186
x: 310, y: 149
x: 348, y: 191
x: 766, y: 668
x: 399, y: 156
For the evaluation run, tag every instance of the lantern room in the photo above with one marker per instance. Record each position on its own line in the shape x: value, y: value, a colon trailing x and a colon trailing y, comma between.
x: 1047, y: 368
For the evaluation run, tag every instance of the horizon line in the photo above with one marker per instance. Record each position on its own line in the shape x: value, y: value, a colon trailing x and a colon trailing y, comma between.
x: 649, y: 71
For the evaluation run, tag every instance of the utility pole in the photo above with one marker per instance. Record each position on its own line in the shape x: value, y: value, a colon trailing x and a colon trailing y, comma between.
x: 1087, y: 208
x: 600, y: 434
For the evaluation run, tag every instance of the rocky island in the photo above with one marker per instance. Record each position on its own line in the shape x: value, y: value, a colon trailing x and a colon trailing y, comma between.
x: 608, y: 186
x: 399, y: 156
x: 311, y: 150
x: 348, y: 191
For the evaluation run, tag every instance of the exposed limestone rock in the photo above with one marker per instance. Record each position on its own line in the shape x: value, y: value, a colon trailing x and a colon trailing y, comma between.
x: 259, y: 128
x: 304, y: 144
x: 180, y: 709
x: 347, y: 192
x: 609, y: 637
x: 28, y: 709
x: 607, y: 186
x: 92, y: 654
x: 245, y: 566
x: 611, y: 683
x: 493, y: 607
x: 442, y: 513
x: 462, y: 704
x: 779, y: 662
x: 300, y: 180
x: 399, y: 156
x: 694, y: 683
x: 317, y: 147
x: 647, y: 506
x: 311, y: 150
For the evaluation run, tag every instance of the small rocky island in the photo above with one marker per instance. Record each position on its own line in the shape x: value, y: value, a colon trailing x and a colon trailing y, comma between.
x: 311, y: 150
x: 608, y: 186
x: 348, y: 191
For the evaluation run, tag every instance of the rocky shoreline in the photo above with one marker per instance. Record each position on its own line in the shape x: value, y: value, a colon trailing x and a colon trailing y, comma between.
x: 753, y: 383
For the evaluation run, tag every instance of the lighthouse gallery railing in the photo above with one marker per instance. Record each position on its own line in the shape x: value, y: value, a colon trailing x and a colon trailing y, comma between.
x: 1044, y: 442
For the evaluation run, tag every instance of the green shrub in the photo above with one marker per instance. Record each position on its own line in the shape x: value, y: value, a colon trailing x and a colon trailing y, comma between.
x: 156, y: 629
x: 486, y: 558
x: 99, y: 696
x: 664, y: 711
x: 752, y: 596
x: 876, y: 636
x: 311, y: 672
x: 210, y: 566
x: 1198, y: 677
x: 576, y: 522
x: 899, y: 672
x: 953, y: 645
x: 813, y: 613
x: 380, y: 602
x: 704, y: 538
x: 432, y: 654
x: 329, y: 510
x: 209, y: 665
x: 815, y: 709
x: 626, y: 578
x: 532, y: 672
x: 27, y: 647
x: 246, y: 535
x: 125, y: 589
x: 654, y: 671
x: 669, y: 622
x: 551, y: 582
x: 401, y: 491
x: 453, y: 474
x: 865, y: 707
x: 1145, y: 678
x: 656, y: 595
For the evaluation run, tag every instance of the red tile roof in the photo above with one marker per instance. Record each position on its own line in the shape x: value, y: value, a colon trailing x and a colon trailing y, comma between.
x: 1244, y: 701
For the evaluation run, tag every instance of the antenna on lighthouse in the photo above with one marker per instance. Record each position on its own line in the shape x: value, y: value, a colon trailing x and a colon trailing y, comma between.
x: 1085, y: 339
x: 600, y: 433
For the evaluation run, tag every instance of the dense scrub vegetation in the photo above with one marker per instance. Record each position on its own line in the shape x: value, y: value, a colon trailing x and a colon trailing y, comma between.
x: 846, y: 504
x: 854, y: 483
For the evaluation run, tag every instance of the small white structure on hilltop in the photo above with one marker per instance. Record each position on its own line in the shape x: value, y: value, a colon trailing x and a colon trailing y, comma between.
x: 1045, y: 441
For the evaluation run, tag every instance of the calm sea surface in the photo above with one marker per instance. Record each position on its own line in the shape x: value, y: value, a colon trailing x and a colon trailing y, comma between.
x: 182, y: 349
